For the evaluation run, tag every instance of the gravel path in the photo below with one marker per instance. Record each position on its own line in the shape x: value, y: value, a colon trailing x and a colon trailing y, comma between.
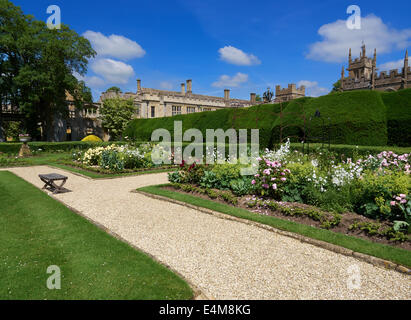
x: 225, y: 259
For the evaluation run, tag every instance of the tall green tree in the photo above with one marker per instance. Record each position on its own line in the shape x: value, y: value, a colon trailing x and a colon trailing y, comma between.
x: 37, y: 66
x: 115, y: 115
x: 336, y: 87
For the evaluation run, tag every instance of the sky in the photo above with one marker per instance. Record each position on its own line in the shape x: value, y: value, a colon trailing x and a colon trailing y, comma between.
x: 244, y: 46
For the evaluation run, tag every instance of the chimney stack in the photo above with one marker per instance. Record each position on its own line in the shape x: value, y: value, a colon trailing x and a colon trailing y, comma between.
x: 138, y: 85
x: 226, y: 94
x: 252, y: 98
x: 183, y: 89
x: 189, y: 88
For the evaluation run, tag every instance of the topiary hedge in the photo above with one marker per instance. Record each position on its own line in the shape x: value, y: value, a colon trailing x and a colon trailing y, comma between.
x: 357, y: 118
x: 398, y: 117
x: 256, y: 117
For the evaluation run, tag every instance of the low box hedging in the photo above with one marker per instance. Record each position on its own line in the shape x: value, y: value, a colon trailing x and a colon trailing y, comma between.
x: 14, y: 147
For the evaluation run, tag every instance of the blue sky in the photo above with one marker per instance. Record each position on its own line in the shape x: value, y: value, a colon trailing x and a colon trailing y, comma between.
x: 244, y: 46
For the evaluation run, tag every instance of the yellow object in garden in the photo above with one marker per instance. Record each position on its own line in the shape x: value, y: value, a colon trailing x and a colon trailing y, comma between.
x: 92, y: 138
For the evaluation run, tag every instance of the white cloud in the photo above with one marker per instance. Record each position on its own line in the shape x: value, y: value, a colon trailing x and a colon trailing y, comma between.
x: 92, y: 82
x: 399, y: 64
x: 312, y: 89
x: 337, y: 39
x: 238, y: 57
x: 234, y: 81
x: 113, y: 71
x: 115, y: 46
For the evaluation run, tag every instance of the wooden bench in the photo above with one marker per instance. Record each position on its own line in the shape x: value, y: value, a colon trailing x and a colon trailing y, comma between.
x: 50, y: 179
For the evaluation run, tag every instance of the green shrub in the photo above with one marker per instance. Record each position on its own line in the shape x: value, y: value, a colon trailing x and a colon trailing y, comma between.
x: 373, y: 192
x: 376, y: 229
x: 112, y: 160
x: 209, y: 180
x: 241, y: 187
x: 225, y: 173
x: 91, y: 138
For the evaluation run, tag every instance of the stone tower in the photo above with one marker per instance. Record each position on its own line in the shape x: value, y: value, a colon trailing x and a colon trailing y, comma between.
x: 360, y: 67
x: 290, y: 93
x: 362, y: 74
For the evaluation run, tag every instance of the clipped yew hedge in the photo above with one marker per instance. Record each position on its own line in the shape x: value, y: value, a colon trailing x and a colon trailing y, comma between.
x: 368, y: 118
x: 398, y: 117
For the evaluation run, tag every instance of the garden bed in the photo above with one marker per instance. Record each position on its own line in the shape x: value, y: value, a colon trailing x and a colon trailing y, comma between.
x: 348, y: 223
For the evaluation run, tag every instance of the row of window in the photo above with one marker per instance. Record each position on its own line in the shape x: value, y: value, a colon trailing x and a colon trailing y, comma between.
x: 176, y: 110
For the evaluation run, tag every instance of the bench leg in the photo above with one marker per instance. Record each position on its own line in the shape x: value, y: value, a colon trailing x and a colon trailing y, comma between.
x: 59, y: 188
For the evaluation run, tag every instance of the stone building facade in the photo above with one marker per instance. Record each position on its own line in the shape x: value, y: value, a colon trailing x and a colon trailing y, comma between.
x: 154, y: 103
x: 362, y: 74
x: 287, y: 94
x: 78, y: 123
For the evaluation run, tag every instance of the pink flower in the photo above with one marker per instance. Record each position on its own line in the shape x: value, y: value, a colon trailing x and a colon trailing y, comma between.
x: 273, y: 179
x: 274, y: 186
x: 253, y: 182
x: 265, y: 186
x: 403, y: 201
x: 398, y: 198
x: 402, y: 195
x: 392, y: 203
x: 283, y: 179
x: 257, y: 175
x: 267, y: 171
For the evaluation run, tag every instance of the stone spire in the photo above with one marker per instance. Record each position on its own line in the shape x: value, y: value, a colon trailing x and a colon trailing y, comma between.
x: 374, y: 69
x: 363, y: 50
x: 349, y: 57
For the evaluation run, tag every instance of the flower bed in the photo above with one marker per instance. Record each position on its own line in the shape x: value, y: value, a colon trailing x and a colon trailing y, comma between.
x: 376, y: 187
x: 348, y: 223
x: 116, y: 159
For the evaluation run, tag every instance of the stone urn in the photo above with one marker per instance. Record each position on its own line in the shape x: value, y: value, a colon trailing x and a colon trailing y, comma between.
x: 25, y: 149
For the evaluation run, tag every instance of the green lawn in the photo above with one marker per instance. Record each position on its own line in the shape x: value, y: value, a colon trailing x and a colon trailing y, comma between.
x: 397, y: 255
x: 38, y: 231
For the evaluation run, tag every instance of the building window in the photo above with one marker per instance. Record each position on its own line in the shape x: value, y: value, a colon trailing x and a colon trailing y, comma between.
x: 206, y: 109
x: 89, y: 131
x: 176, y: 110
x: 191, y: 109
x: 153, y: 112
x: 72, y: 114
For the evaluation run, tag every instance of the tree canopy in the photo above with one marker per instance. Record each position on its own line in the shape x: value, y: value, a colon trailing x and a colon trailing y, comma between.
x: 115, y: 115
x: 37, y: 67
x: 336, y: 87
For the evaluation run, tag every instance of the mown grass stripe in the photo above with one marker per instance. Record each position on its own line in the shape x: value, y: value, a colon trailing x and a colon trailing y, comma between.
x: 38, y: 231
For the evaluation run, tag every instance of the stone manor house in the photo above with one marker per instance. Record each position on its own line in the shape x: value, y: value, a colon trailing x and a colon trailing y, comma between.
x: 154, y: 103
